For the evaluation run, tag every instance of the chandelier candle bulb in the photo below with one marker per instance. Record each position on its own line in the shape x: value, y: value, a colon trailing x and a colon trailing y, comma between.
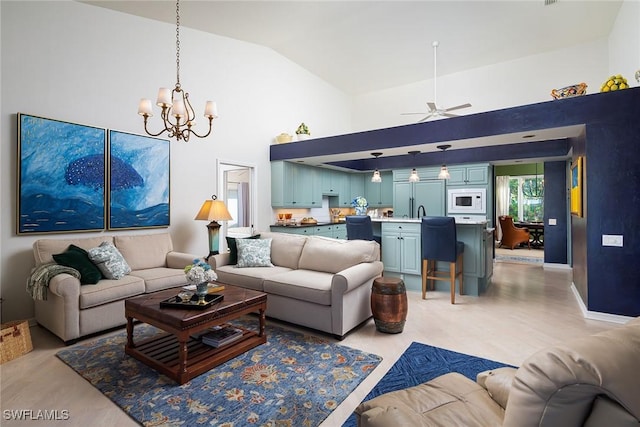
x: 178, y: 108
x: 164, y: 97
x: 210, y: 110
x: 145, y: 107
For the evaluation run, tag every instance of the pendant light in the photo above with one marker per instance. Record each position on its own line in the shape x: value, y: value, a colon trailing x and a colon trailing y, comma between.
x: 376, y: 173
x: 177, y: 113
x: 444, y: 172
x: 533, y: 190
x: 414, y: 177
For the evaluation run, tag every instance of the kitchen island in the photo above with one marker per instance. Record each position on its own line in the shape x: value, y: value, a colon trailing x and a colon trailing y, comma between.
x: 402, y: 255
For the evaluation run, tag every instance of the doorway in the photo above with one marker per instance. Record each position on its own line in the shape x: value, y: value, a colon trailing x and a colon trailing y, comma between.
x: 236, y: 186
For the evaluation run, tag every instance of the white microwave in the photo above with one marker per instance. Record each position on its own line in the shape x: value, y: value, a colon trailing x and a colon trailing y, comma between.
x: 466, y: 201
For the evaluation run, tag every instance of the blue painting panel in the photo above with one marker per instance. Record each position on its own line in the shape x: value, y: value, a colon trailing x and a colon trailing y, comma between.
x: 61, y: 176
x: 138, y: 181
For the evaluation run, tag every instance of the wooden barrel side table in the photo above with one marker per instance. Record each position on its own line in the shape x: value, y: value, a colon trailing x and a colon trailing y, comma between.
x: 389, y: 304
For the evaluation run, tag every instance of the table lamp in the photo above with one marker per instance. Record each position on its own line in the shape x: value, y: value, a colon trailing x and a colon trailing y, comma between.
x: 213, y: 210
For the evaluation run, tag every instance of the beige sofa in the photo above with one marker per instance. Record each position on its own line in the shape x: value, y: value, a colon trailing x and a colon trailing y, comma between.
x: 72, y: 311
x: 316, y: 282
x: 592, y: 381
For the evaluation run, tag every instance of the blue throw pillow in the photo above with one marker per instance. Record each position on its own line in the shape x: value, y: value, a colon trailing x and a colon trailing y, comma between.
x: 254, y: 253
x: 233, y: 248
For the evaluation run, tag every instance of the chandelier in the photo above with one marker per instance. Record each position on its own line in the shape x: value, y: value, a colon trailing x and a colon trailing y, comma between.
x: 177, y: 113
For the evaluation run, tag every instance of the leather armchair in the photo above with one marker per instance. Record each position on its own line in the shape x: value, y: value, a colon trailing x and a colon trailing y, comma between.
x: 512, y: 236
x: 591, y: 381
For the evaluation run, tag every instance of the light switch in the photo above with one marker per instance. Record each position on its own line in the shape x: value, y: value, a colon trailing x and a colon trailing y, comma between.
x: 612, y: 240
x: 552, y: 221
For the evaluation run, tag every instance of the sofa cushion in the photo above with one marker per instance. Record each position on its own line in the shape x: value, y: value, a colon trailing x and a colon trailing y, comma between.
x: 43, y: 249
x: 254, y: 253
x: 106, y: 291
x: 78, y: 259
x: 305, y: 285
x: 109, y: 260
x: 233, y: 247
x: 144, y: 251
x: 332, y: 256
x: 157, y: 279
x: 250, y: 277
x: 285, y: 248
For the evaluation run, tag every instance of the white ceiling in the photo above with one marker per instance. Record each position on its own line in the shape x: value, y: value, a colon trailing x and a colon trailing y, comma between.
x: 363, y: 45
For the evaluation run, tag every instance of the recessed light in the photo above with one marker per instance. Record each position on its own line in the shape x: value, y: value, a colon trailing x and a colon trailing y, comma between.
x: 528, y: 136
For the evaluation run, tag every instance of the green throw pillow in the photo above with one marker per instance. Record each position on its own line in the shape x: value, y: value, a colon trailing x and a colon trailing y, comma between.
x: 77, y: 258
x: 233, y: 248
x: 254, y: 253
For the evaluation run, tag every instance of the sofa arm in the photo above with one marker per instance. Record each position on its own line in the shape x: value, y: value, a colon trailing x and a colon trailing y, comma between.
x: 180, y: 259
x: 66, y: 286
x: 219, y: 260
x: 497, y: 382
x: 352, y: 277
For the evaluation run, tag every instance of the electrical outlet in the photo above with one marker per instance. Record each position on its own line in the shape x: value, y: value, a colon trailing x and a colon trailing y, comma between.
x: 612, y: 240
x: 552, y: 221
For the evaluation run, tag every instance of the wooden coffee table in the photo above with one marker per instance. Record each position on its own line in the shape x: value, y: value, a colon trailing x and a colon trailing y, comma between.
x: 176, y: 353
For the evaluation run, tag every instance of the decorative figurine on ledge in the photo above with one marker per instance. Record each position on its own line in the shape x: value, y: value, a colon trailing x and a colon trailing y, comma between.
x: 303, y: 132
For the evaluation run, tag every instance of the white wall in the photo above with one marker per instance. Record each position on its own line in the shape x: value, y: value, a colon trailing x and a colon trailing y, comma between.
x: 85, y: 64
x: 624, y: 42
x: 524, y: 81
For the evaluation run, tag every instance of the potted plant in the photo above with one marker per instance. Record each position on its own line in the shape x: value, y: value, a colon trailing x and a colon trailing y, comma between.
x: 303, y: 132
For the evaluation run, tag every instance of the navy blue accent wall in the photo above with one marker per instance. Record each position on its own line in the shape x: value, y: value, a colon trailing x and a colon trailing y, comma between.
x: 606, y: 277
x: 555, y: 206
x: 612, y: 168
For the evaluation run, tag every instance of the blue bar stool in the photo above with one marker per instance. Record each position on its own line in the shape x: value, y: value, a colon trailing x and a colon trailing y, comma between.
x: 439, y: 243
x: 359, y: 227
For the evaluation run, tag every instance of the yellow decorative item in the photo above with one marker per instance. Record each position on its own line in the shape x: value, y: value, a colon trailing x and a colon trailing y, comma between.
x: 569, y: 91
x: 283, y: 138
x: 616, y: 82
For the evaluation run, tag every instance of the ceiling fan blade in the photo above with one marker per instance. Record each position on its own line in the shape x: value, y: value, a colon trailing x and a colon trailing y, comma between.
x: 457, y: 107
x: 448, y: 115
x: 408, y: 114
x: 432, y: 106
x: 424, y: 119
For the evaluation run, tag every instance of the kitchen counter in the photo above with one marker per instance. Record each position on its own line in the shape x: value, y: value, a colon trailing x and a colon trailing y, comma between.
x: 418, y: 220
x: 299, y: 225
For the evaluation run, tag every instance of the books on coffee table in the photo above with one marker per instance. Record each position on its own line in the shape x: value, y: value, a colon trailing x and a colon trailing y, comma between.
x: 221, y: 335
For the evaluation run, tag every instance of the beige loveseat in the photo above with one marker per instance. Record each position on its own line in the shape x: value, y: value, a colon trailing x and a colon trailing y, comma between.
x: 72, y: 310
x: 592, y: 381
x: 316, y: 282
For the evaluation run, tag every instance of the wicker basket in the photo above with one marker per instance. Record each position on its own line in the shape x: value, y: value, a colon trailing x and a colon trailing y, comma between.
x: 15, y: 340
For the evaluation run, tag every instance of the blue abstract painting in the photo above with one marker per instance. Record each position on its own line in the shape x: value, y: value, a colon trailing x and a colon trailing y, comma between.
x: 138, y: 181
x: 61, y: 176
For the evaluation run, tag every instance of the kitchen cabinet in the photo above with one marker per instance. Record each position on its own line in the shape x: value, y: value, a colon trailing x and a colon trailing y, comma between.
x: 336, y: 231
x: 469, y: 175
x: 408, y: 196
x: 401, y: 248
x: 295, y: 186
x: 379, y: 194
x: 336, y: 183
x: 356, y: 186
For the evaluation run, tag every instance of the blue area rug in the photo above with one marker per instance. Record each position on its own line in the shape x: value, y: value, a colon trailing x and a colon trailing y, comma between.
x: 421, y: 363
x: 292, y: 380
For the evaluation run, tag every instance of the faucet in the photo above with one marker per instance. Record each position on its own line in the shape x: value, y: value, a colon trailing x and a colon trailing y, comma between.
x: 424, y: 211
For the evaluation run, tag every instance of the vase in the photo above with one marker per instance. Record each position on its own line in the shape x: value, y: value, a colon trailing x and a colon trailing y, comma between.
x: 201, y: 290
x: 361, y: 210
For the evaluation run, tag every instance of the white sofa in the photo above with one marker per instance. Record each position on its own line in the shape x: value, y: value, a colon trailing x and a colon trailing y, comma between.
x: 316, y: 282
x: 72, y: 310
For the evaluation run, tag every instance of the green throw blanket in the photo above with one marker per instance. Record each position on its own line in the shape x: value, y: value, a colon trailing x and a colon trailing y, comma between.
x: 38, y: 281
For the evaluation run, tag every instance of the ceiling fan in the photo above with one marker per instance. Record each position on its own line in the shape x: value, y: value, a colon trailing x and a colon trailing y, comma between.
x: 434, y: 110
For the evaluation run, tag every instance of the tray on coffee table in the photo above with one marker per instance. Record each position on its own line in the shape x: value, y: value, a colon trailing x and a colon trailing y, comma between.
x: 192, y: 304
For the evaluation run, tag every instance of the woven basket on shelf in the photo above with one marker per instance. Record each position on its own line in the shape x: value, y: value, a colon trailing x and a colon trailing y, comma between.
x: 15, y: 340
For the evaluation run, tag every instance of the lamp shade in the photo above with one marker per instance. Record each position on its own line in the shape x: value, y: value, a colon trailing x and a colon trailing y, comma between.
x: 213, y: 210
x: 444, y: 173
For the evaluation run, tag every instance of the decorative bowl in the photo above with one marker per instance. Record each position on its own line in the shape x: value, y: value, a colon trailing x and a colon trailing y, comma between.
x: 569, y: 91
x: 283, y: 138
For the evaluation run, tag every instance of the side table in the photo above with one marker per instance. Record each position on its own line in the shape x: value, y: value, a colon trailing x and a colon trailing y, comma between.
x: 389, y: 304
